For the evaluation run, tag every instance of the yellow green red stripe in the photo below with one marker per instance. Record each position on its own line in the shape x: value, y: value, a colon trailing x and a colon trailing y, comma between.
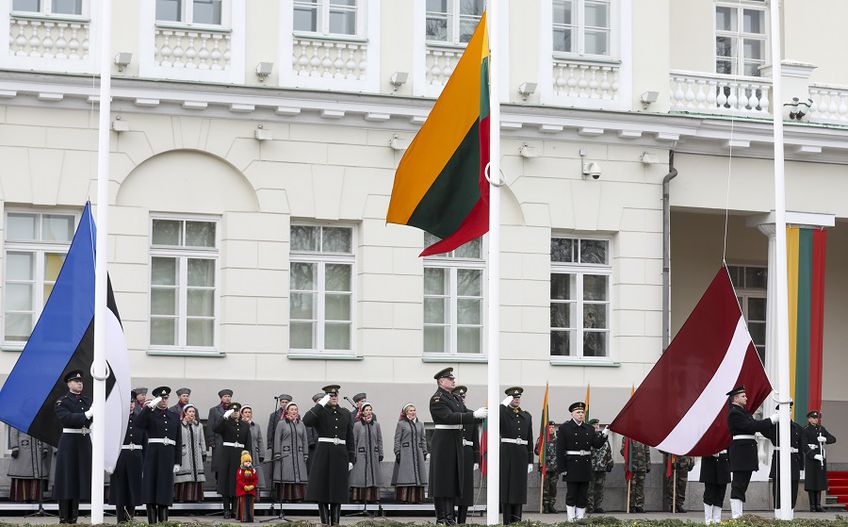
x: 792, y: 282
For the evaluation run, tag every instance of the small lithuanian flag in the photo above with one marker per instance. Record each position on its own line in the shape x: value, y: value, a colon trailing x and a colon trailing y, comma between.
x: 440, y: 185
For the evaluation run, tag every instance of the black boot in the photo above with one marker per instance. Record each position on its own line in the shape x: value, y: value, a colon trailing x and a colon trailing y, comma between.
x: 162, y: 513
x: 819, y: 507
x: 74, y: 512
x: 450, y: 516
x: 461, y: 514
x: 64, y: 507
x: 151, y: 514
x: 812, y: 496
x: 335, y: 513
x: 516, y: 513
x: 506, y: 511
x: 324, y: 513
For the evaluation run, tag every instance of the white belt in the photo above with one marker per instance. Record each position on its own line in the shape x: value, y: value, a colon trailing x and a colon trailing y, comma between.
x: 578, y: 452
x: 132, y: 446
x: 717, y: 454
x: 466, y: 442
x: 163, y: 441
x: 812, y: 446
x: 333, y: 440
x: 792, y: 449
x: 233, y: 444
x: 513, y: 441
x: 745, y: 436
x: 83, y: 431
x: 448, y: 427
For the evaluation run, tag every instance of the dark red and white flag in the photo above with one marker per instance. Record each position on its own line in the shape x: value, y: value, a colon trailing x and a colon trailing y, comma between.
x: 681, y: 406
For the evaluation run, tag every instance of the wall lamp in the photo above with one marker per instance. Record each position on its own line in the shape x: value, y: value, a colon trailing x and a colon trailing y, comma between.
x: 526, y: 89
x: 398, y: 79
x: 122, y: 60
x: 263, y: 69
x: 798, y: 108
x: 397, y: 144
x: 648, y: 98
x: 262, y: 134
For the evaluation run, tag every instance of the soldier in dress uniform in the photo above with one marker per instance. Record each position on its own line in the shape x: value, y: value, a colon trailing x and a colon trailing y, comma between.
x: 29, y: 467
x: 639, y: 459
x: 140, y: 399
x: 447, y: 465
x: 213, y: 439
x: 329, y: 483
x: 715, y: 475
x: 516, y: 456
x: 815, y: 438
x: 312, y: 436
x: 470, y: 460
x: 184, y: 397
x: 674, y: 486
x: 602, y: 464
x: 73, y: 458
x: 125, y: 482
x: 549, y: 491
x: 163, y: 454
x: 575, y: 441
x: 743, y: 446
x: 235, y: 437
x: 796, y: 457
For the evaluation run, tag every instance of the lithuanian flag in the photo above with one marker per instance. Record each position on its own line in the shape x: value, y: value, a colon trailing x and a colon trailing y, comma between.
x: 440, y: 185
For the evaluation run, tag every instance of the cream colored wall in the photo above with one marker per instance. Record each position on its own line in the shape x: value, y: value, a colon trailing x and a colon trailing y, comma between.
x: 692, y: 32
x: 652, y: 50
x: 524, y: 51
x: 813, y: 33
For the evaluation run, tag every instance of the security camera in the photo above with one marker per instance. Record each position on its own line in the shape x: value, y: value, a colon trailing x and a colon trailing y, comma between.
x: 593, y: 170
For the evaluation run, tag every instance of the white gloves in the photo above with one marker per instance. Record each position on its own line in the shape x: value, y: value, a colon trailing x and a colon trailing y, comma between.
x: 426, y: 457
x: 481, y: 413
x: 476, y: 466
x: 153, y: 402
x: 818, y: 457
x: 176, y: 468
x: 349, y: 467
x: 775, y: 417
x: 89, y: 413
x: 821, y: 439
x: 324, y: 400
x: 605, y: 431
x: 530, y: 468
x: 507, y: 401
x: 228, y: 413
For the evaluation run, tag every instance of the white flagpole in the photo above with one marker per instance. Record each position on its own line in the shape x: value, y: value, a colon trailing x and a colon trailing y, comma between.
x: 781, y: 289
x: 99, y: 372
x: 494, y: 254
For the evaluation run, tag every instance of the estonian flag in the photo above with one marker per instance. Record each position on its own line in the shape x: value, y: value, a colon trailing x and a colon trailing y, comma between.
x: 63, y: 340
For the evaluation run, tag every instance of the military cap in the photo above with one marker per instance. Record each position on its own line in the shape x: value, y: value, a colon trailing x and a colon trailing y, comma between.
x: 235, y: 407
x: 73, y: 375
x: 317, y: 397
x: 359, y: 397
x: 592, y: 421
x: 460, y: 390
x: 815, y: 414
x: 579, y: 405
x: 447, y: 372
x: 515, y: 391
x: 184, y: 391
x: 552, y: 423
x: 736, y: 391
x: 162, y: 391
x: 133, y: 395
x: 285, y: 397
x: 140, y: 391
x: 331, y: 388
x: 225, y: 391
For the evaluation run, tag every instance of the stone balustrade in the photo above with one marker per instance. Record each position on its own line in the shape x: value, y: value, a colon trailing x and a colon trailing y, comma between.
x: 719, y: 94
x: 49, y: 38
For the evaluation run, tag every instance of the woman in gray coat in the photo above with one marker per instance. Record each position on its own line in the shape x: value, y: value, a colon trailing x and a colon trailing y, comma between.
x: 188, y: 481
x: 29, y: 467
x: 291, y: 453
x: 257, y: 450
x: 410, y: 473
x: 368, y: 445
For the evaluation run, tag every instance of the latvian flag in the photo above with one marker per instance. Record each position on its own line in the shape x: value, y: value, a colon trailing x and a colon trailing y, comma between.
x: 63, y: 340
x: 681, y: 406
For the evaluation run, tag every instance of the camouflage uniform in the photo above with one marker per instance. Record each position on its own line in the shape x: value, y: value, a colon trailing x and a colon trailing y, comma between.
x: 601, y: 464
x: 640, y: 456
x: 682, y: 465
x: 550, y: 489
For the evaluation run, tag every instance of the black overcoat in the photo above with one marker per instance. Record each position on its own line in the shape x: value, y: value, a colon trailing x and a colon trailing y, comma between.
x: 125, y: 482
x: 574, y: 437
x: 237, y: 432
x: 815, y: 473
x: 329, y: 478
x: 447, y: 455
x: 213, y: 441
x: 157, y: 482
x: 796, y: 456
x: 515, y: 424
x: 73, y: 457
x: 743, y: 452
x: 715, y: 469
x: 470, y: 455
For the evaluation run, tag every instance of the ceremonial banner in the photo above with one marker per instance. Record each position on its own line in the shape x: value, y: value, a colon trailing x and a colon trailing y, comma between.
x: 544, y: 436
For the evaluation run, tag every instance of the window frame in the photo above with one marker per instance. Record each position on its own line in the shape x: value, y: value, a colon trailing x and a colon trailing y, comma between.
x: 323, y: 22
x: 454, y: 16
x: 579, y: 270
x: 744, y: 294
x: 46, y: 11
x: 578, y: 26
x: 739, y: 36
x: 40, y: 248
x: 183, y: 253
x: 187, y: 15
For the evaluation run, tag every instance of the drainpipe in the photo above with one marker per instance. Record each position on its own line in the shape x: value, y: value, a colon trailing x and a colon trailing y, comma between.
x: 666, y: 263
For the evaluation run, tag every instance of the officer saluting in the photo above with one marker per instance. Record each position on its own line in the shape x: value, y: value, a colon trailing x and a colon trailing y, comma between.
x: 516, y: 459
x: 446, y: 452
x: 743, y: 446
x: 815, y: 438
x: 125, y: 482
x: 163, y: 454
x: 235, y: 437
x: 73, y: 459
x: 575, y: 441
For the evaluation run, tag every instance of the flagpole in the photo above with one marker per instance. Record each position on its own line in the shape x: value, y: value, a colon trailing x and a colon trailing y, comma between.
x: 99, y: 368
x: 781, y: 293
x: 494, y: 272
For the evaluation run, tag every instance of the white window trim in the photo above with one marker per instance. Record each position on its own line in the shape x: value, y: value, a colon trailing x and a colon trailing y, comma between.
x: 324, y: 23
x: 182, y: 297
x: 39, y: 248
x: 739, y: 35
x: 579, y: 34
x: 749, y: 292
x: 453, y: 16
x: 321, y: 259
x: 187, y: 16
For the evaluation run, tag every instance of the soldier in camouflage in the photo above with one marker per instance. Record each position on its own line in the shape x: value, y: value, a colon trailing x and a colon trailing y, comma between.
x: 640, y: 463
x: 601, y: 464
x: 679, y: 477
x: 550, y: 490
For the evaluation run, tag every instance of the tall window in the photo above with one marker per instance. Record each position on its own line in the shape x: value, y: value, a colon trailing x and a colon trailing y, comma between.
x: 321, y: 288
x: 183, y: 263
x: 580, y: 297
x: 741, y: 39
x: 582, y: 27
x: 36, y: 245
x: 751, y: 283
x: 329, y: 17
x: 189, y: 11
x: 48, y: 7
x: 453, y: 300
x: 452, y: 21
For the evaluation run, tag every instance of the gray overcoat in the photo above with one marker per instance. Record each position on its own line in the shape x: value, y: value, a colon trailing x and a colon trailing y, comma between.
x: 257, y: 452
x: 410, y: 450
x: 291, y: 451
x: 368, y: 445
x: 194, y: 450
x: 33, y: 458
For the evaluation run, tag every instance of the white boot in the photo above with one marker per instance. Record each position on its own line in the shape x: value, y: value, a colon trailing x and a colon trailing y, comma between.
x: 716, y: 514
x: 735, y: 508
x: 571, y: 512
x: 580, y: 512
x: 708, y: 514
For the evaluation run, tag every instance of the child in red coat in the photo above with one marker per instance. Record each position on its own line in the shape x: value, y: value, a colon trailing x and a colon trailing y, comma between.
x: 245, y: 488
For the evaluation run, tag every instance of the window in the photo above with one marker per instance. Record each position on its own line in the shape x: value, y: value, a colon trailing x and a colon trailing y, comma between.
x: 189, y: 11
x: 48, y: 7
x: 329, y: 17
x: 582, y: 27
x: 36, y: 245
x: 740, y: 37
x: 453, y: 300
x: 580, y: 297
x: 321, y: 288
x: 183, y: 268
x: 452, y: 21
x: 750, y: 283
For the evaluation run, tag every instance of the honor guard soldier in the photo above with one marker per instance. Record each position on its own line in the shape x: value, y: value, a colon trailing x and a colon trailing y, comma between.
x: 447, y: 466
x: 470, y: 460
x: 213, y: 439
x: 516, y: 458
x: 184, y: 397
x: 795, y: 456
x: 575, y: 441
x: 163, y: 454
x: 140, y: 399
x: 743, y: 446
x: 73, y: 458
x: 715, y: 475
x: 815, y: 438
x: 235, y: 437
x: 329, y: 483
x: 125, y: 482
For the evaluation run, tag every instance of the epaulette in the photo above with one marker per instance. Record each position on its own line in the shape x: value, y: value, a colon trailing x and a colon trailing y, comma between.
x: 59, y: 401
x: 435, y: 399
